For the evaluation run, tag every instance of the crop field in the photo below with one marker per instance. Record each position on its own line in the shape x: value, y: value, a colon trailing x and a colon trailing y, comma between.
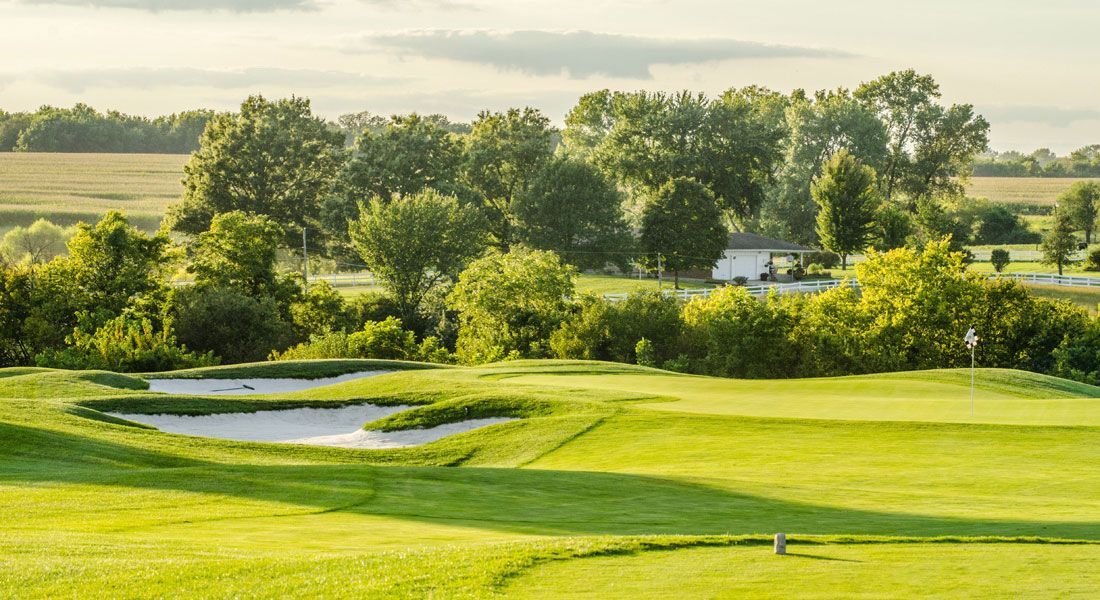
x: 1020, y: 190
x: 613, y: 481
x: 67, y: 188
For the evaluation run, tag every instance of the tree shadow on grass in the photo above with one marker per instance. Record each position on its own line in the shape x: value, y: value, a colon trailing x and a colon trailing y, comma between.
x: 541, y: 502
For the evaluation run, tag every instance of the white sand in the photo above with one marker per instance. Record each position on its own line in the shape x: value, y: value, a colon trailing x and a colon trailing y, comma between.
x: 226, y: 387
x: 339, y: 427
x: 271, y: 425
x: 399, y: 439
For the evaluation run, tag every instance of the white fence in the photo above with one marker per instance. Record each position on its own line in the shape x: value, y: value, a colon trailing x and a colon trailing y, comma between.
x: 814, y: 285
x: 1048, y: 279
x: 820, y: 285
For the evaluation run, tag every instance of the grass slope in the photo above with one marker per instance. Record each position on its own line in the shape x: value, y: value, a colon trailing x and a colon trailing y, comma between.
x: 599, y: 489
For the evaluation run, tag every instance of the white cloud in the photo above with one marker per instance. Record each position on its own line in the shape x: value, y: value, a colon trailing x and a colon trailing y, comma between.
x: 241, y: 6
x: 1046, y: 115
x: 578, y: 54
x: 164, y: 77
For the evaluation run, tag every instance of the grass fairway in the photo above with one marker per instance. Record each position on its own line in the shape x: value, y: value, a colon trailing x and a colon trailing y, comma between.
x: 616, y: 481
x: 67, y: 188
x: 1020, y: 190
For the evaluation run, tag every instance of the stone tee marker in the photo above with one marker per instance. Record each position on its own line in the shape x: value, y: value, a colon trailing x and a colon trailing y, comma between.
x: 780, y: 543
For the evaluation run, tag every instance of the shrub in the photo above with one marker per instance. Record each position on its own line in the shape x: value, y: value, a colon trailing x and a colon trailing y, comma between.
x: 740, y: 280
x: 645, y: 354
x: 735, y: 335
x: 321, y: 310
x: 600, y: 329
x: 386, y: 339
x: 1000, y: 259
x: 1092, y: 261
x: 125, y: 344
x: 230, y: 323
x: 509, y: 304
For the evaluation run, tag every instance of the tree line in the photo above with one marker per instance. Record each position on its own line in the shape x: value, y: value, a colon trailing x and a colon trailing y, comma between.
x: 476, y: 235
x: 1082, y: 162
x: 84, y: 129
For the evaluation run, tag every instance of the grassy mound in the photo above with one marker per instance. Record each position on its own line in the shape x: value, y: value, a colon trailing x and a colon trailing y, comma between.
x: 616, y: 481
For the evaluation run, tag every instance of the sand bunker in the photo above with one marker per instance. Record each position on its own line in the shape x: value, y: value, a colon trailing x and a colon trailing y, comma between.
x: 340, y: 427
x: 399, y: 439
x: 220, y: 387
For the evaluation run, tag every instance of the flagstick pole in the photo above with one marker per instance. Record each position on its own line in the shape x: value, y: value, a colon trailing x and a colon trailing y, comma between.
x: 972, y: 348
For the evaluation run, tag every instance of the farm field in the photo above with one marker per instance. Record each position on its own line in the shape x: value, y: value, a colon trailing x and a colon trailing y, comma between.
x: 67, y: 188
x: 1020, y: 190
x: 612, y: 478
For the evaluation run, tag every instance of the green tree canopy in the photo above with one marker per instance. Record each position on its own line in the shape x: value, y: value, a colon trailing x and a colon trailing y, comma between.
x: 729, y: 145
x: 509, y: 304
x: 931, y: 145
x: 573, y: 210
x: 1059, y: 244
x: 416, y: 244
x: 848, y: 203
x: 683, y: 224
x: 406, y: 155
x: 504, y: 151
x: 112, y: 266
x: 35, y: 244
x: 818, y: 128
x: 239, y: 252
x: 272, y: 158
x: 1081, y: 205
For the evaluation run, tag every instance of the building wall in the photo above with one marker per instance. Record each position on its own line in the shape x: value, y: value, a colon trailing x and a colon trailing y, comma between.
x: 741, y: 263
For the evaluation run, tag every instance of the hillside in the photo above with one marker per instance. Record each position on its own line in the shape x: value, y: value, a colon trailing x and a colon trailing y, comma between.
x: 612, y: 478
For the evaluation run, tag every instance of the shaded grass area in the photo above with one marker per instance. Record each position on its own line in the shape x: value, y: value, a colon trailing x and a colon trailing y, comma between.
x: 94, y: 504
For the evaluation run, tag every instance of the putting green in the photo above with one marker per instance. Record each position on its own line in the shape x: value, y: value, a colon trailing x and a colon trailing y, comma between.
x: 942, y: 397
x: 597, y: 481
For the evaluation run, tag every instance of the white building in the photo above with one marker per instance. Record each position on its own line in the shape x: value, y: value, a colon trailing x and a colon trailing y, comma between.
x: 747, y: 255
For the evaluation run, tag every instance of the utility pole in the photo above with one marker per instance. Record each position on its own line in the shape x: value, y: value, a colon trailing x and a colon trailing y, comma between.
x: 305, y: 262
x: 660, y: 271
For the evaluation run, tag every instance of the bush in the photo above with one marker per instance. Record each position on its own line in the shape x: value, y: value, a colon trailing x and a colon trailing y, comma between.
x: 386, y: 339
x: 740, y: 280
x: 733, y: 334
x: 1092, y: 261
x: 1000, y: 259
x: 645, y: 354
x: 604, y: 330
x: 125, y: 344
x: 233, y: 325
x: 321, y: 310
x: 510, y: 304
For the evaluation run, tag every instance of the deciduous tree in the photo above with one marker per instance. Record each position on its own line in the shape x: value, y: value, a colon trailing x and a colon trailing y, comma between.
x: 504, y: 151
x: 416, y: 244
x: 847, y: 205
x: 683, y: 224
x: 573, y: 210
x: 1081, y: 206
x: 273, y: 158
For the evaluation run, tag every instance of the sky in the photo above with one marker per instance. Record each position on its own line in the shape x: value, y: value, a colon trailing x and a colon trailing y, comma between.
x: 1029, y: 67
